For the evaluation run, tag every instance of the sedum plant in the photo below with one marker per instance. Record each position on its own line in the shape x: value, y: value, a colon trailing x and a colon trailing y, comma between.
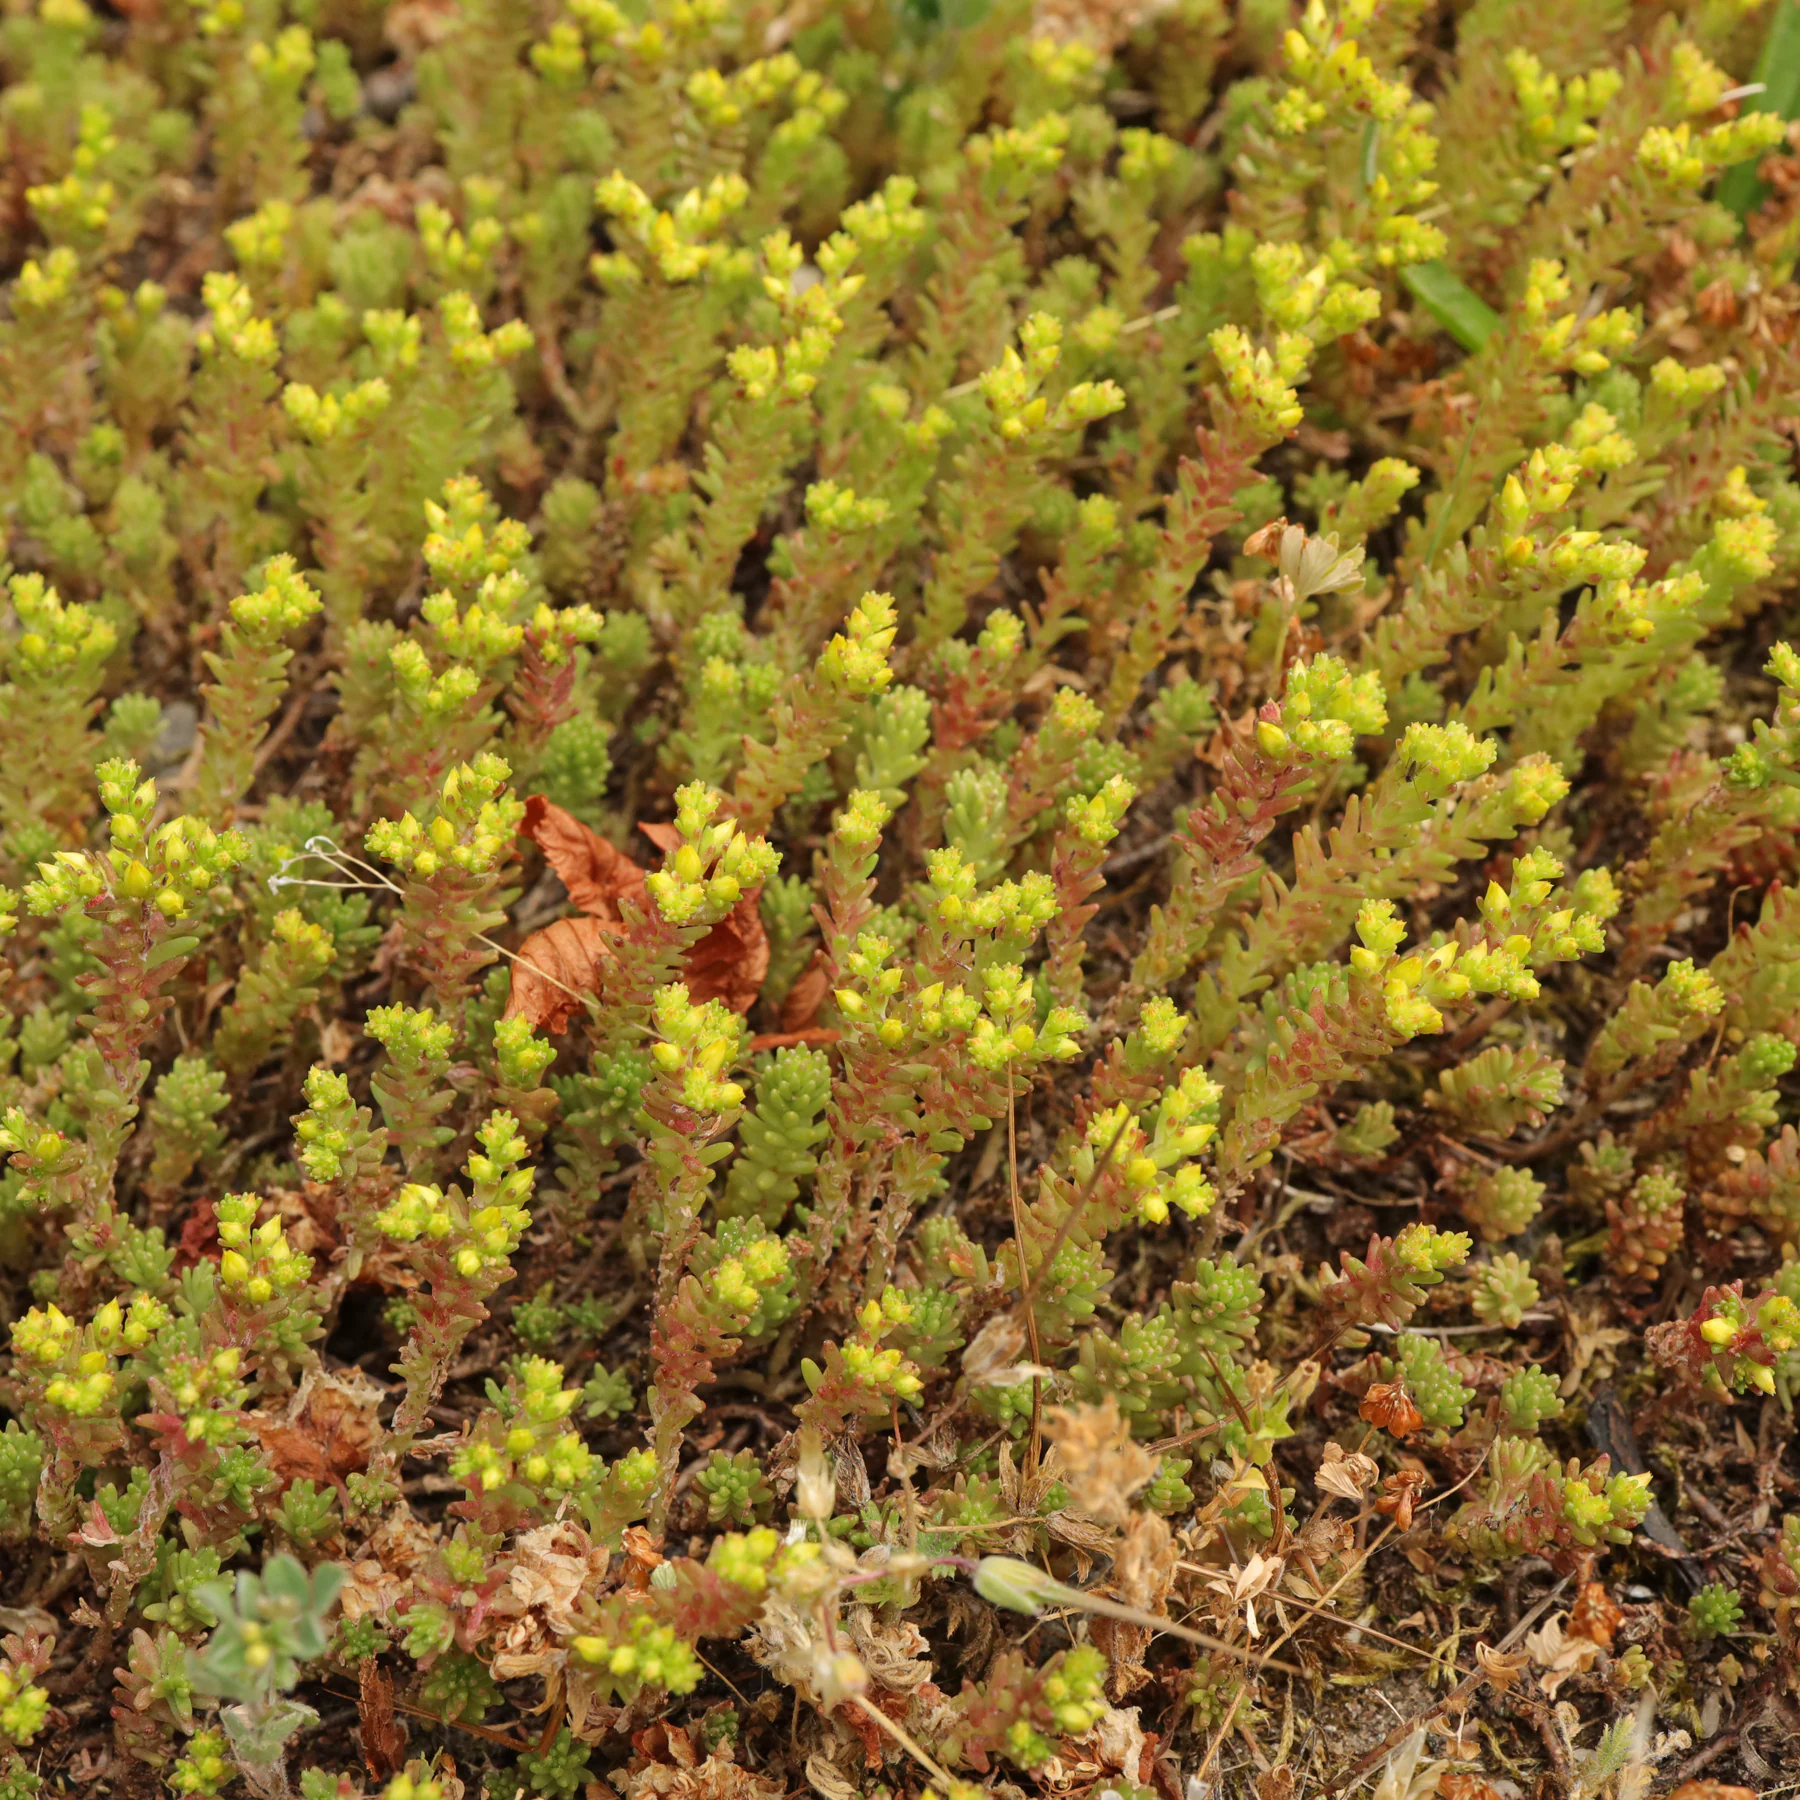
x: 818, y: 825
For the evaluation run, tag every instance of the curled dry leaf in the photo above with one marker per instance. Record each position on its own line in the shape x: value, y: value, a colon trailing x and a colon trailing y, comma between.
x: 328, y: 1431
x: 1119, y: 1739
x: 596, y: 873
x: 1266, y: 540
x: 1500, y: 1668
x: 560, y: 964
x: 995, y: 1347
x: 1712, y: 1790
x: 1559, y: 1654
x: 686, y: 1777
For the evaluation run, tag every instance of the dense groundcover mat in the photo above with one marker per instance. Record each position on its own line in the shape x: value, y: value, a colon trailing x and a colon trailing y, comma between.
x: 899, y: 899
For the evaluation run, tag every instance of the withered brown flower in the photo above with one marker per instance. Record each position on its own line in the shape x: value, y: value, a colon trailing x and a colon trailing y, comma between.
x: 1388, y: 1405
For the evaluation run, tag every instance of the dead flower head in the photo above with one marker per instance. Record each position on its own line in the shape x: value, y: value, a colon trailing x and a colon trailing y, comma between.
x: 1400, y: 1495
x: 1388, y: 1405
x: 1099, y: 1464
x: 1346, y: 1474
x: 1242, y: 1585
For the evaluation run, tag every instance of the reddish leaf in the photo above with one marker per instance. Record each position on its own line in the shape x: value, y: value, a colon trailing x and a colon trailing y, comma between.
x: 596, y: 875
x: 383, y: 1736
x: 801, y: 1007
x: 664, y: 836
x: 814, y: 1037
x: 729, y: 963
x: 555, y: 968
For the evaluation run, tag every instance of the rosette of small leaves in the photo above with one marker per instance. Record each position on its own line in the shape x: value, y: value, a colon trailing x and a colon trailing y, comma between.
x: 21, y: 1464
x: 68, y: 1374
x: 702, y: 880
x: 273, y: 992
x: 1501, y: 1202
x: 1529, y: 1504
x: 460, y: 1688
x: 262, y: 1276
x: 1140, y: 1365
x: 204, y: 1767
x: 154, y: 1682
x: 1182, y: 1124
x: 1499, y: 1090
x: 1527, y: 1398
x: 1729, y: 1344
x: 1734, y: 1101
x: 270, y: 1626
x: 520, y: 1059
x: 778, y: 1137
x: 1020, y: 1713
x: 455, y: 864
x: 1503, y: 1290
x: 736, y: 1490
x: 24, y: 1706
x: 1391, y: 1284
x: 645, y: 1654
x: 1652, y: 1023
x: 338, y: 1143
x: 306, y: 1515
x: 1168, y: 1493
x: 1714, y: 1612
x: 1437, y: 1390
x: 1602, y: 1171
x: 1780, y: 1571
x: 523, y: 1458
x: 862, y: 1378
x: 1645, y: 1226
x: 173, y: 1595
x: 745, y: 1280
x: 1368, y: 1132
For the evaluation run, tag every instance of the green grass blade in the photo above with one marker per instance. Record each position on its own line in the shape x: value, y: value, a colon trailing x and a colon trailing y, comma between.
x: 1778, y: 69
x: 1462, y: 312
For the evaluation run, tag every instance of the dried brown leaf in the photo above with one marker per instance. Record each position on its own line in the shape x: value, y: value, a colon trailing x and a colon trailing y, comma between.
x: 328, y: 1431
x: 801, y: 1007
x: 555, y: 967
x: 382, y: 1735
x: 597, y: 875
x: 729, y: 963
